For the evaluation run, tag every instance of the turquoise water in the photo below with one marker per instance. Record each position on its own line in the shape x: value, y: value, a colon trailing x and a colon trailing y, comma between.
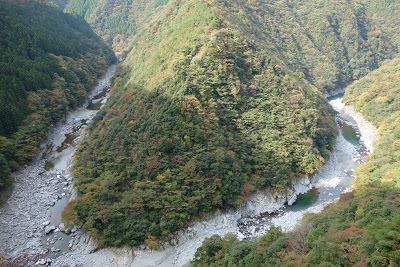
x: 335, y: 97
x: 306, y: 199
x: 94, y: 106
x: 329, y: 183
x: 69, y: 138
x: 350, y: 134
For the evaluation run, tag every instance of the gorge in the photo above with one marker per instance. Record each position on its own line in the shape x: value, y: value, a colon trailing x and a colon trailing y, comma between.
x: 222, y: 139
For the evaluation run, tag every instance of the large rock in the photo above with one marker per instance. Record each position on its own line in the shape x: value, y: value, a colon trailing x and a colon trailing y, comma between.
x: 270, y: 200
x: 62, y: 227
x: 49, y: 229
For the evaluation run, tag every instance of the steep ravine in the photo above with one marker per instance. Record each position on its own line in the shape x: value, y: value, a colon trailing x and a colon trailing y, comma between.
x: 29, y: 221
x: 254, y: 217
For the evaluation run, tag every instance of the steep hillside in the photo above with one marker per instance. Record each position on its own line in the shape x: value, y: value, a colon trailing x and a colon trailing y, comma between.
x: 117, y: 21
x: 199, y: 117
x: 385, y: 13
x: 60, y: 3
x: 48, y: 62
x: 331, y: 42
x: 377, y: 97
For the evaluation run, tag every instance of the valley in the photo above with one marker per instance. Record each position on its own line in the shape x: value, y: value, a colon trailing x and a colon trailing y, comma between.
x: 224, y: 133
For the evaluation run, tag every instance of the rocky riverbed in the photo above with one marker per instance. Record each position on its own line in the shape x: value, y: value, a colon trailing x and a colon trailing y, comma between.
x: 30, y: 220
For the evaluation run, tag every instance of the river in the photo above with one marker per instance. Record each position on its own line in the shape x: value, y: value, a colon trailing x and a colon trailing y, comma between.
x: 44, y: 187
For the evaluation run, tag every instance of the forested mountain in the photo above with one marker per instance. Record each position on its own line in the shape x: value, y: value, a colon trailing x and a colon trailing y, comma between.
x: 117, y: 21
x: 331, y: 42
x: 48, y: 62
x: 385, y: 13
x: 60, y: 3
x: 199, y: 117
x: 214, y: 100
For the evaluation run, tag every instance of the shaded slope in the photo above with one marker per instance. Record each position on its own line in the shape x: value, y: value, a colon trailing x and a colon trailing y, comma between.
x: 198, y: 118
x: 48, y: 62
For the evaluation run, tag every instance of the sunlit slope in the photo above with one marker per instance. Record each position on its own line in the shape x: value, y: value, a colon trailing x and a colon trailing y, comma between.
x: 117, y: 21
x: 361, y: 229
x: 331, y: 42
x: 385, y: 13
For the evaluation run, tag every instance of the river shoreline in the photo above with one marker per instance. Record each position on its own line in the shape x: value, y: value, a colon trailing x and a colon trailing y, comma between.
x: 367, y: 129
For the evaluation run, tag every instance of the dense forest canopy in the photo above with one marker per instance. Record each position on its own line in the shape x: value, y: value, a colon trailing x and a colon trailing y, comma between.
x: 385, y: 13
x: 361, y: 229
x: 117, y: 21
x: 60, y: 3
x: 199, y: 117
x: 331, y: 42
x: 48, y: 62
x: 215, y: 99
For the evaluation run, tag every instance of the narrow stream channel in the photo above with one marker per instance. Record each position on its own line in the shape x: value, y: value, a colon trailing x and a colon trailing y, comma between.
x: 58, y: 156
